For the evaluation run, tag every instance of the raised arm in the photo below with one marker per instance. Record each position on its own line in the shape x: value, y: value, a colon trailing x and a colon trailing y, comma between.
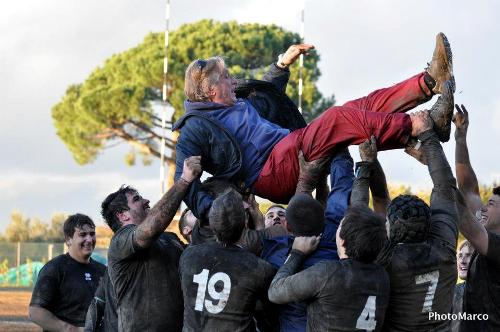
x: 378, y: 187
x: 279, y: 73
x: 160, y: 216
x: 466, y: 177
x: 443, y: 207
x: 289, y: 286
x: 360, y: 195
x: 472, y: 229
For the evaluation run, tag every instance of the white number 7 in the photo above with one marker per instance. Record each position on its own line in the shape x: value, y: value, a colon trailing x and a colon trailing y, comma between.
x: 433, y: 278
x: 220, y: 296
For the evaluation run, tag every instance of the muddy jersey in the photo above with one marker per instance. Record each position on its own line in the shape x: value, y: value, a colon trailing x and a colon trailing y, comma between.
x: 423, y: 275
x: 482, y: 290
x: 65, y: 287
x: 344, y: 295
x: 146, y: 282
x: 221, y: 286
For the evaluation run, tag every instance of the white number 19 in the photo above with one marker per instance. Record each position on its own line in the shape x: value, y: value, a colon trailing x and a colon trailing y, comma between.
x: 220, y: 296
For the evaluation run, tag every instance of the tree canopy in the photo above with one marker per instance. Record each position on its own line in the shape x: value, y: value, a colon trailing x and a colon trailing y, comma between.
x: 116, y: 102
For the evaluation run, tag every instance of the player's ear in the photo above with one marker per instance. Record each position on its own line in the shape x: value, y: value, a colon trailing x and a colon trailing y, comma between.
x: 122, y: 216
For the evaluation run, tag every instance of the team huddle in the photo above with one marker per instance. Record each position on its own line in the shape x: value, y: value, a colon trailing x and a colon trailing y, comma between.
x: 326, y: 262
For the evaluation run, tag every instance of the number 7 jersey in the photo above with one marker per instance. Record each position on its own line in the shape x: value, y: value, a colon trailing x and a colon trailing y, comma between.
x: 220, y: 286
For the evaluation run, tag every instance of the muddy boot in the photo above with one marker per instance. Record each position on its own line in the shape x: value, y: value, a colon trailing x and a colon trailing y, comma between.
x: 441, y: 112
x: 441, y: 66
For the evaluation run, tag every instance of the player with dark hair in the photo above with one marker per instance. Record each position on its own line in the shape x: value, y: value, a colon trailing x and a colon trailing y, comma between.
x: 187, y: 223
x: 66, y: 284
x: 307, y: 216
x: 143, y: 260
x: 343, y: 295
x: 421, y: 259
x: 275, y: 215
x: 482, y: 289
x: 221, y: 281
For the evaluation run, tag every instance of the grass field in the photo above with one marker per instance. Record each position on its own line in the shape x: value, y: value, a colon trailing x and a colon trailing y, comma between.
x: 14, y: 312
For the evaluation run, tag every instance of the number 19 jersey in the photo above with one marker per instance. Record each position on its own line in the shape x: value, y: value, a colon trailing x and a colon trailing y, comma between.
x: 220, y: 286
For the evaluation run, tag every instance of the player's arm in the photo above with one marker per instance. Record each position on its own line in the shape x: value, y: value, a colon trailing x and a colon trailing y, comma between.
x: 160, y: 216
x: 251, y: 239
x: 95, y: 312
x: 378, y: 187
x: 471, y: 229
x: 48, y: 321
x: 279, y: 73
x: 360, y: 195
x: 466, y: 177
x: 196, y: 198
x: 289, y: 286
x: 443, y: 206
x: 256, y: 218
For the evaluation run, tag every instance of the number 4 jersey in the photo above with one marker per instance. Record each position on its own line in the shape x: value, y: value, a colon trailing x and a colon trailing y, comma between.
x: 221, y: 286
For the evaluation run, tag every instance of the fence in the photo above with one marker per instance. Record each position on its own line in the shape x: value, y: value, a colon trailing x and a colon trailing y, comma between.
x: 20, y: 262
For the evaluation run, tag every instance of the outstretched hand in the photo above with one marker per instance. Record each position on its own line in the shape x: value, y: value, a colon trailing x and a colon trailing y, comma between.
x: 461, y: 121
x: 191, y: 169
x: 294, y: 51
x: 311, y: 173
x: 368, y: 149
x: 306, y: 244
x: 421, y: 122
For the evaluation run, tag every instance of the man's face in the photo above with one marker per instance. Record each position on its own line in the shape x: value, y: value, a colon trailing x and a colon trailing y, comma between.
x: 224, y: 89
x: 463, y: 260
x: 188, y: 227
x: 138, y: 208
x: 490, y: 213
x: 82, y: 243
x: 340, y: 242
x: 275, y: 216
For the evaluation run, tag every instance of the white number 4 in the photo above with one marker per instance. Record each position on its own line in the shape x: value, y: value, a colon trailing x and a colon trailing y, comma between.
x: 220, y: 296
x: 432, y: 278
x: 366, y: 321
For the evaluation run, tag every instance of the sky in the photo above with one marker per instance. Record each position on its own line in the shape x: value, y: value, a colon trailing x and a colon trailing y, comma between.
x: 366, y: 44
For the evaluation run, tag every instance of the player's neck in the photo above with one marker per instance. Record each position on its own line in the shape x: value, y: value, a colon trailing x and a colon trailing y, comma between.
x: 79, y: 258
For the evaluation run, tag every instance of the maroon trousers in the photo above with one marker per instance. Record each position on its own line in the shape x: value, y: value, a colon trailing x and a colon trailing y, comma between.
x: 379, y: 114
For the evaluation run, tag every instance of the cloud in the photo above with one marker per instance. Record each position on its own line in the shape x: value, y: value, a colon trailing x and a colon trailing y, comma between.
x: 18, y: 184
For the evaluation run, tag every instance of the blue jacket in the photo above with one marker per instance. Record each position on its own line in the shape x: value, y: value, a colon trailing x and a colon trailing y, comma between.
x: 201, y: 134
x: 293, y: 316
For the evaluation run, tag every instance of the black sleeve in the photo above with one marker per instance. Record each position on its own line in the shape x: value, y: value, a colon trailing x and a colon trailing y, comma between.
x: 378, y: 182
x: 252, y: 239
x: 444, y: 215
x: 95, y: 312
x: 198, y: 200
x: 277, y: 76
x: 360, y: 194
x: 288, y: 286
x: 46, y: 289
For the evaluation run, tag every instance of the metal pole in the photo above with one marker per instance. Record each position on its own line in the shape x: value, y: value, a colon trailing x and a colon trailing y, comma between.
x: 164, y: 98
x: 50, y: 251
x: 301, y: 59
x: 18, y: 263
